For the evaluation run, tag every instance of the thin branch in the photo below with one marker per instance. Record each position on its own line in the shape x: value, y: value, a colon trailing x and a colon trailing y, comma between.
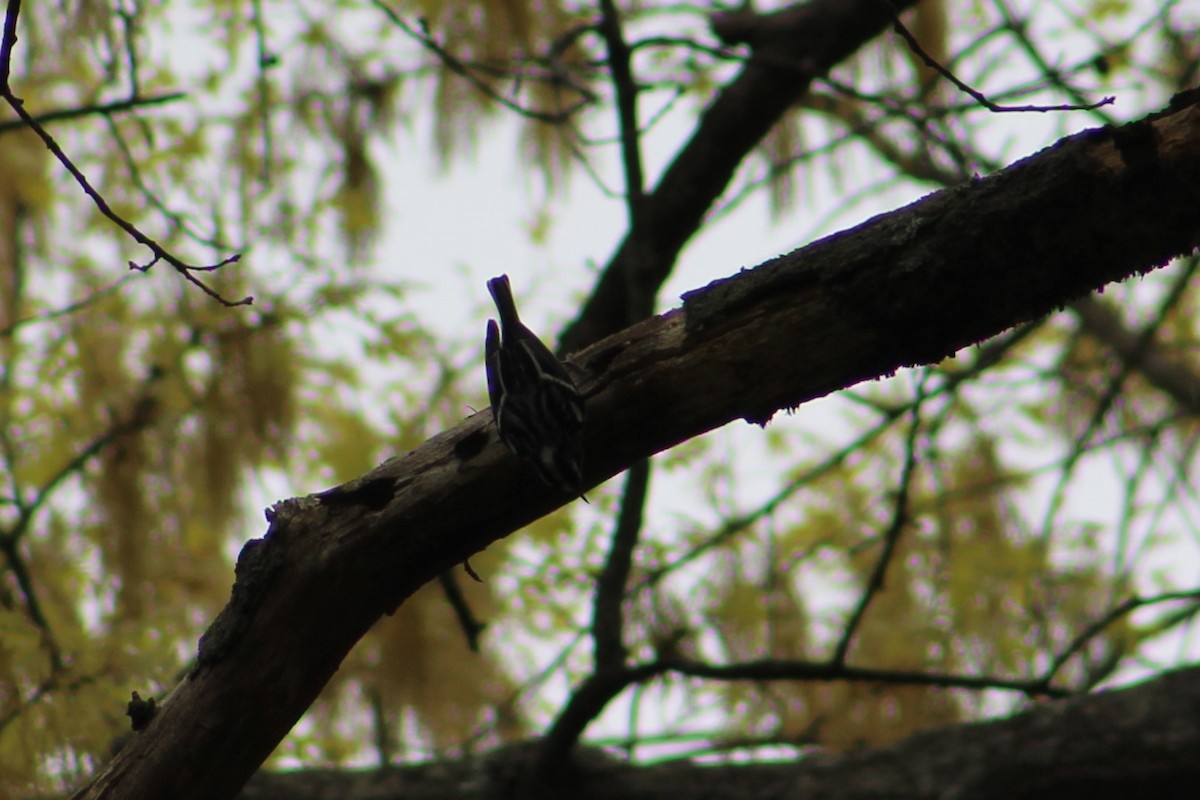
x: 742, y: 523
x: 9, y: 545
x: 607, y: 623
x: 459, y: 67
x: 1129, y: 362
x: 1171, y: 377
x: 559, y: 71
x: 68, y: 309
x: 600, y: 689
x: 978, y: 96
x: 610, y: 676
x: 587, y: 703
x: 47, y: 686
x: 472, y: 627
x: 160, y: 253
x: 175, y: 221
x: 138, y: 419
x: 534, y: 682
x: 813, y: 37
x: 102, y: 109
x: 1019, y: 30
x: 784, y: 670
x: 892, y: 535
x: 9, y: 41
x: 581, y: 158
x: 1130, y: 605
x: 987, y: 356
x: 626, y: 89
x: 129, y: 25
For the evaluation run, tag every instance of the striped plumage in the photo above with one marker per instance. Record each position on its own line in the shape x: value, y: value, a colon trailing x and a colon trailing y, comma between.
x: 537, y: 409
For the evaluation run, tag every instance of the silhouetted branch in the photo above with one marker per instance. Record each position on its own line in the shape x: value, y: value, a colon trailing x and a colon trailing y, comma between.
x: 472, y: 627
x: 607, y: 622
x: 785, y: 670
x: 979, y: 97
x: 466, y: 71
x: 892, y: 535
x: 586, y: 703
x: 176, y: 221
x: 101, y: 109
x: 1130, y: 605
x: 626, y: 88
x: 987, y: 356
x: 792, y: 47
x: 160, y: 253
x: 1105, y: 403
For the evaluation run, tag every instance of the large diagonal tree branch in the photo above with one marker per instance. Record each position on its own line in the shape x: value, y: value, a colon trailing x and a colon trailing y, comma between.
x: 1171, y: 376
x: 909, y: 287
x: 790, y: 48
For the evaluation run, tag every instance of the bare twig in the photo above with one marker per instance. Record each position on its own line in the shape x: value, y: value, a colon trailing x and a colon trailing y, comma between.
x: 601, y: 688
x: 101, y: 109
x: 1019, y: 29
x: 159, y: 252
x: 784, y: 670
x: 138, y: 419
x: 892, y: 535
x: 1130, y: 605
x: 466, y: 71
x: 176, y: 221
x: 610, y: 676
x: 607, y: 622
x: 46, y: 687
x: 10, y: 547
x: 978, y: 96
x: 988, y: 355
x: 811, y: 39
x: 1130, y: 360
x: 128, y: 19
x: 10, y: 539
x: 534, y: 682
x: 1170, y: 376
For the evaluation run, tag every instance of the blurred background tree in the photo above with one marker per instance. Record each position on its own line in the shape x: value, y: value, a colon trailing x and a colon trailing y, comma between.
x: 1000, y: 516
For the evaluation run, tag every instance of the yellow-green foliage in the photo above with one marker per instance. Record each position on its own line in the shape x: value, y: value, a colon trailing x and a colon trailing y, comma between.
x: 965, y: 590
x: 135, y: 411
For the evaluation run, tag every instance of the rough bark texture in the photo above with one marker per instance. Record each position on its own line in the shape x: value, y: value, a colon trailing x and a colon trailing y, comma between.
x: 1139, y: 742
x: 906, y: 288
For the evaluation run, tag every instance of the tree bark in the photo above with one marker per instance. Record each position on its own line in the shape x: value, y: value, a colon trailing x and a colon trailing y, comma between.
x: 1138, y: 742
x: 909, y: 287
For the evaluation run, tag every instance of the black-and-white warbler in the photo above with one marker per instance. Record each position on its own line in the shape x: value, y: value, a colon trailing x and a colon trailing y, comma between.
x: 537, y: 409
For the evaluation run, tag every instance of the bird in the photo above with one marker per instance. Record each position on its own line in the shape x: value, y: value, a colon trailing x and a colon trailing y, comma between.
x: 536, y: 406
